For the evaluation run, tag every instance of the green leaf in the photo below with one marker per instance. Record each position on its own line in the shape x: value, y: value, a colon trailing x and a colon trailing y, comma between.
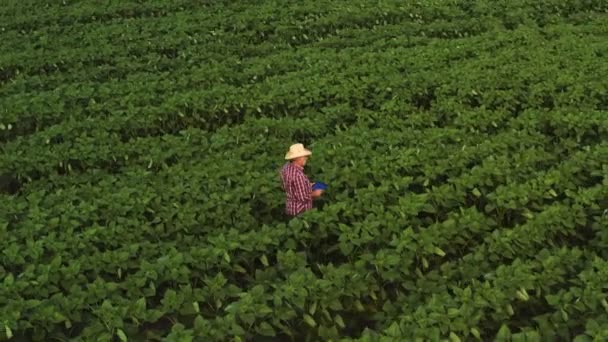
x: 9, y: 280
x: 238, y: 268
x: 264, y: 260
x: 336, y: 305
x: 140, y: 305
x: 582, y: 338
x: 476, y: 192
x: 121, y: 335
x: 339, y: 321
x: 8, y: 331
x: 394, y: 330
x: 454, y: 337
x: 309, y: 320
x: 564, y: 315
x: 475, y: 333
x: 313, y: 308
x: 439, y: 251
x: 504, y: 334
x: 453, y: 312
x: 522, y: 294
x: 359, y: 306
x: 266, y: 329
x: 199, y: 323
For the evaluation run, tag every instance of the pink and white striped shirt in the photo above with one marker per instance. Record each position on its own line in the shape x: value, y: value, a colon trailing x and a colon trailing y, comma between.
x: 298, y: 189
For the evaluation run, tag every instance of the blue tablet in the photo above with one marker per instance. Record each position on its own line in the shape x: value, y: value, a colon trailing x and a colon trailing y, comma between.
x: 319, y: 186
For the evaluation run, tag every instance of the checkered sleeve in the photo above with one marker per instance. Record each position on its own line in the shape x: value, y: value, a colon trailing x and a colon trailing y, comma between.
x: 302, y: 188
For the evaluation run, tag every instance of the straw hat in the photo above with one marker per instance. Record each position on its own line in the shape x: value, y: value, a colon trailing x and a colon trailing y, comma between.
x: 296, y: 151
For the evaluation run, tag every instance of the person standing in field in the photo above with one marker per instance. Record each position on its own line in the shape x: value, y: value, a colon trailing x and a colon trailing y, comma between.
x: 298, y: 188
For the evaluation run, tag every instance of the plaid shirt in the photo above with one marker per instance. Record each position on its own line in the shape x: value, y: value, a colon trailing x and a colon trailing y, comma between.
x: 298, y: 189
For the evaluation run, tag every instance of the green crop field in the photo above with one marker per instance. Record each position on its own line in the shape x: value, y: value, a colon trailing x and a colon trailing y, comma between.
x: 465, y: 144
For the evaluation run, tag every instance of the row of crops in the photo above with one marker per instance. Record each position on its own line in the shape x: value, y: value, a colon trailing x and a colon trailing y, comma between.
x: 464, y: 142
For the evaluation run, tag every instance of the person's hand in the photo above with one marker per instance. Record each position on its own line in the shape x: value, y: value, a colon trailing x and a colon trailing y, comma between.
x: 316, y: 193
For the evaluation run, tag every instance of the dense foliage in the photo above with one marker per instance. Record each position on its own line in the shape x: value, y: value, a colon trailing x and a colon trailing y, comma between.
x: 464, y: 142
